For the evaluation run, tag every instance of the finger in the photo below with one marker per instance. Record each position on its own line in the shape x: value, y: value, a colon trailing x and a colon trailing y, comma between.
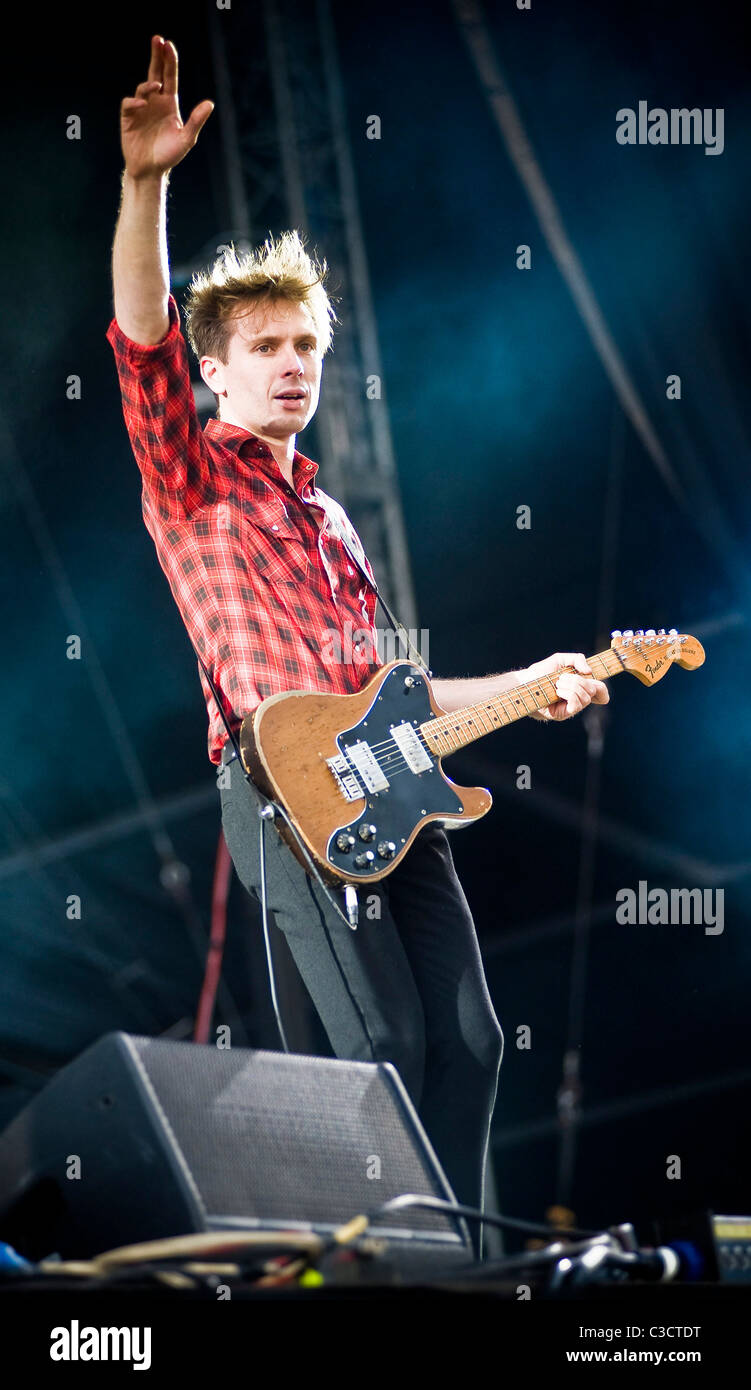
x: 198, y: 118
x: 143, y: 88
x: 576, y: 703
x: 170, y: 69
x: 579, y: 662
x: 567, y: 683
x: 602, y: 694
x: 558, y: 711
x: 156, y: 66
x: 131, y: 104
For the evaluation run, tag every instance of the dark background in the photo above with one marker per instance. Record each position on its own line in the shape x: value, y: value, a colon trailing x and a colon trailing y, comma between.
x: 497, y: 399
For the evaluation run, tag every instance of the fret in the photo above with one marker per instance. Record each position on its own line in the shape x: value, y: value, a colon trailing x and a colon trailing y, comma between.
x: 507, y: 706
x: 599, y: 667
x: 547, y: 696
x: 543, y: 697
x: 520, y: 693
x: 482, y: 715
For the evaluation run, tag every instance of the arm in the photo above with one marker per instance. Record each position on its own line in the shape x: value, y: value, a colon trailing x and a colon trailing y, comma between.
x: 154, y: 139
x: 150, y: 352
x: 140, y: 266
x: 576, y: 691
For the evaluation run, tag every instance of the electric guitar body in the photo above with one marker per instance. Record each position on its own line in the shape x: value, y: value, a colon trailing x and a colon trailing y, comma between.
x: 357, y: 796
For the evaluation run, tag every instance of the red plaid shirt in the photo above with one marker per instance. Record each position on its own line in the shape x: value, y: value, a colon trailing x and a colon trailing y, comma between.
x: 269, y: 596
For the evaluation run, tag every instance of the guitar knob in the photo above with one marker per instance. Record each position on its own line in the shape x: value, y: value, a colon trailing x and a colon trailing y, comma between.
x: 364, y: 860
x: 366, y: 831
x: 345, y: 842
x: 409, y: 682
x: 386, y: 849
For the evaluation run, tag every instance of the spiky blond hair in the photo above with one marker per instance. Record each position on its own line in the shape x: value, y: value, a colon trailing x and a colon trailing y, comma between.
x: 280, y: 269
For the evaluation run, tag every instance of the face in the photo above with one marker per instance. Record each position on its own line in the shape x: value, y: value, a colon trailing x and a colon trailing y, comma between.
x: 272, y: 376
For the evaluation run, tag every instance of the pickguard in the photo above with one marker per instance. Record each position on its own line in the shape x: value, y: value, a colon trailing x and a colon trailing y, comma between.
x: 410, y: 796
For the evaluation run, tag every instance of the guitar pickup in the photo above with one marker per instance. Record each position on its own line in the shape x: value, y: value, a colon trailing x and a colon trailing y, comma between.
x: 366, y: 763
x: 410, y: 747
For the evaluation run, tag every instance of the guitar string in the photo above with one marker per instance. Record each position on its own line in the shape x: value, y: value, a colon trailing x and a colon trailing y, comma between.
x: 443, y: 728
x: 505, y: 698
x: 394, y: 761
x: 447, y: 728
x: 403, y: 766
x: 389, y: 760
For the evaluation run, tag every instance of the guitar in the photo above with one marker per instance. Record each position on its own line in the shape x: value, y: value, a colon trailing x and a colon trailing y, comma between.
x: 359, y: 775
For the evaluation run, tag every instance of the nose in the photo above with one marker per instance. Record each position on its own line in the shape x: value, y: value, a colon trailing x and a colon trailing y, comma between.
x: 292, y: 362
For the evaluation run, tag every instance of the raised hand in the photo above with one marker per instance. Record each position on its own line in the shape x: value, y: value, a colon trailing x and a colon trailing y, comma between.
x: 153, y: 136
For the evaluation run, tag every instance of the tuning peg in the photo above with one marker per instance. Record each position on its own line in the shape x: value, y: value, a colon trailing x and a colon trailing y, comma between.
x: 673, y: 632
x: 616, y: 632
x: 639, y: 632
x: 650, y: 632
x: 661, y: 632
x: 628, y: 633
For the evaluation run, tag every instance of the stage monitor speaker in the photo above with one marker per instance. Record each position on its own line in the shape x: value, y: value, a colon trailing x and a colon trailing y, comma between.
x: 142, y: 1138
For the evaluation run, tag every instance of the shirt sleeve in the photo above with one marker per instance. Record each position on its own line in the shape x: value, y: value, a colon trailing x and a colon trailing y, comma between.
x: 160, y: 415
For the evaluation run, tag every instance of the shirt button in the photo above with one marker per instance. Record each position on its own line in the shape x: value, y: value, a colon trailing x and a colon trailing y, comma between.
x: 275, y: 527
x: 309, y: 467
x: 350, y: 571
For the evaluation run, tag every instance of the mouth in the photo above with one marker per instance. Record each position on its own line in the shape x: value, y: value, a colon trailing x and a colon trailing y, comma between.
x: 291, y: 399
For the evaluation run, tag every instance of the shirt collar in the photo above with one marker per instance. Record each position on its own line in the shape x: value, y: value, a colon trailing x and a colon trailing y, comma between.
x: 250, y: 448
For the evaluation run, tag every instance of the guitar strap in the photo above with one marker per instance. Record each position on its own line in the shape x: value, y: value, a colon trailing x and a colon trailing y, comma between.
x: 398, y: 627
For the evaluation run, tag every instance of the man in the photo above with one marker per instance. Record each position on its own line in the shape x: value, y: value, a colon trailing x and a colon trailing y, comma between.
x: 250, y: 546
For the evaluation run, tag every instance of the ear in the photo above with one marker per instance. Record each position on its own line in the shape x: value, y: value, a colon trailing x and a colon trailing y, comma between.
x: 212, y: 373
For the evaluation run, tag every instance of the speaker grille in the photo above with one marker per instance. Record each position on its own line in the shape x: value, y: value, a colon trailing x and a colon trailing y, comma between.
x: 271, y: 1136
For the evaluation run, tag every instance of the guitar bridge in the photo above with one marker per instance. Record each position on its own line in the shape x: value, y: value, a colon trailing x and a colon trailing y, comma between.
x: 345, y: 777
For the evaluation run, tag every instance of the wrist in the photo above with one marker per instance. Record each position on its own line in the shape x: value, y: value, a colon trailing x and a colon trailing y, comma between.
x: 145, y: 178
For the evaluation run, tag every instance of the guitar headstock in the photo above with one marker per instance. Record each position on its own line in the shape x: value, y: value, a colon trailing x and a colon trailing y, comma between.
x: 648, y: 655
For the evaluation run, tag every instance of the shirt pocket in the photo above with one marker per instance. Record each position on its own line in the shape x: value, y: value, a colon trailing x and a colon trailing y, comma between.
x: 274, y: 547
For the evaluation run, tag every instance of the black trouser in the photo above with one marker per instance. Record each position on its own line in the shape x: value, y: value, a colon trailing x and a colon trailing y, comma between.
x: 406, y: 987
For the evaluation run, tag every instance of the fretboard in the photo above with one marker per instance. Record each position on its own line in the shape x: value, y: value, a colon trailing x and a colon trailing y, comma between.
x: 448, y: 732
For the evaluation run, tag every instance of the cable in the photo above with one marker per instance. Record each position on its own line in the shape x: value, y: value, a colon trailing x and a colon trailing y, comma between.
x: 512, y: 1223
x: 262, y: 818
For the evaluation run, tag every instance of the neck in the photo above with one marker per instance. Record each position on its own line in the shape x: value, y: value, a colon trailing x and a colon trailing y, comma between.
x: 283, y: 450
x: 448, y: 732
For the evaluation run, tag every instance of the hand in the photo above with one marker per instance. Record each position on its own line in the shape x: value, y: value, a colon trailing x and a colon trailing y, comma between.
x: 152, y: 133
x: 576, y: 690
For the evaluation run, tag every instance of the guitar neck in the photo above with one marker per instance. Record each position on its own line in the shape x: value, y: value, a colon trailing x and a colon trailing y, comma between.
x: 448, y: 732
